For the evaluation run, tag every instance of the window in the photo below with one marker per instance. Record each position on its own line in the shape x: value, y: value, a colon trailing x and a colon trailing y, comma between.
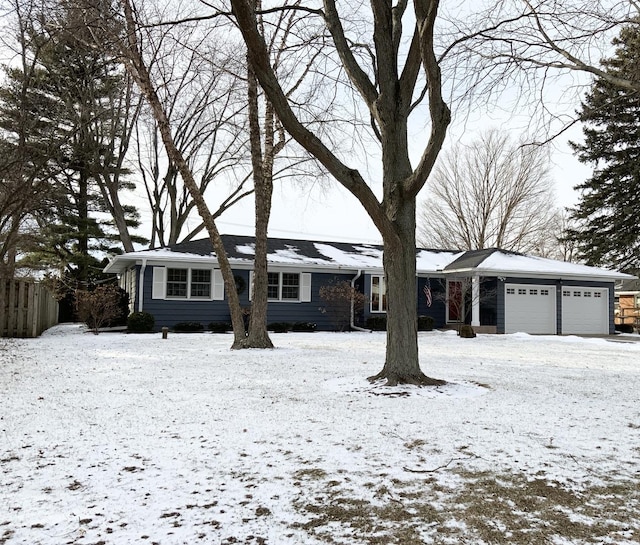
x: 201, y: 283
x: 587, y: 294
x: 577, y: 293
x: 273, y: 286
x: 511, y: 291
x: 533, y: 292
x: 194, y: 282
x: 378, y: 294
x: 544, y: 292
x: 522, y: 291
x: 597, y: 294
x: 177, y: 282
x: 290, y: 286
x: 566, y: 293
x: 283, y: 286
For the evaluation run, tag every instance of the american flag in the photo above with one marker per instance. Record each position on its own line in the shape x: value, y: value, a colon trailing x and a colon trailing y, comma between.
x: 427, y: 292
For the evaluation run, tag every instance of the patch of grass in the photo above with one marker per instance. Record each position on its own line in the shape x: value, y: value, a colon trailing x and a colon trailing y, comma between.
x: 496, y: 508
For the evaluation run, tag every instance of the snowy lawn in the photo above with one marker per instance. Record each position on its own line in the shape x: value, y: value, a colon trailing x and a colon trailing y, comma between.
x: 118, y: 439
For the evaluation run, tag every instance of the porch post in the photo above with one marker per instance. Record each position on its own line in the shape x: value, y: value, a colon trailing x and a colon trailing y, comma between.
x: 475, y: 301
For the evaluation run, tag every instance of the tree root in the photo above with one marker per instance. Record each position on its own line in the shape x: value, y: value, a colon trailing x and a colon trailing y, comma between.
x: 395, y: 379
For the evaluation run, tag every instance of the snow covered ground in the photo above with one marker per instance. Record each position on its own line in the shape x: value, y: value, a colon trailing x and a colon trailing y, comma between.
x: 117, y: 439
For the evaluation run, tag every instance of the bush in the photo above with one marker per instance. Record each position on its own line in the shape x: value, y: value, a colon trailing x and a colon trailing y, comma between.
x: 188, y: 327
x: 140, y: 322
x: 624, y: 328
x: 279, y: 327
x: 338, y: 298
x: 466, y: 332
x: 101, y: 306
x: 220, y: 327
x: 425, y: 323
x: 303, y: 326
x: 377, y: 323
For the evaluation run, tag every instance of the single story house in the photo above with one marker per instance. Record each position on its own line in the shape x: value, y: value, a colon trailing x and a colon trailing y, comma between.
x: 493, y: 290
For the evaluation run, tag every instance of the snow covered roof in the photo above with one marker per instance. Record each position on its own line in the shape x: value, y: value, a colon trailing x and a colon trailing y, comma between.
x: 283, y: 252
x: 496, y: 262
x: 360, y: 256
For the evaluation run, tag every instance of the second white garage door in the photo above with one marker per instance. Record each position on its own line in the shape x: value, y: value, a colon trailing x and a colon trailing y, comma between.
x: 530, y: 308
x: 585, y: 310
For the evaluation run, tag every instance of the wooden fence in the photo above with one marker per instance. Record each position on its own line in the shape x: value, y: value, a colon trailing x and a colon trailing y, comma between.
x: 26, y: 308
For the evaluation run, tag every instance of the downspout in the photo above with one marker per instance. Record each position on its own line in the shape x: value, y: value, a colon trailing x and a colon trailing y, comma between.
x: 352, y: 316
x: 141, y: 285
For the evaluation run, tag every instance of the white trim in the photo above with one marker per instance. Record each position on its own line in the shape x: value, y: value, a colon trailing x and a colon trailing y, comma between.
x: 159, y: 283
x: 305, y: 287
x: 160, y: 279
x: 382, y: 287
x: 475, y: 301
x: 217, y: 285
x: 141, y: 286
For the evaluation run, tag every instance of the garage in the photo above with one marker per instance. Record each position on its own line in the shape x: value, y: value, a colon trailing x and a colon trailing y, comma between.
x: 585, y: 311
x: 530, y: 308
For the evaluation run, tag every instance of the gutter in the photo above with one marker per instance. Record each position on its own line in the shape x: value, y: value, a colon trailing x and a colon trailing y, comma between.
x: 352, y: 316
x: 141, y: 285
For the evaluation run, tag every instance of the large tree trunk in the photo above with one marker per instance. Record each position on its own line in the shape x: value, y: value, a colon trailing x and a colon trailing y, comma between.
x: 258, y: 335
x: 401, y: 360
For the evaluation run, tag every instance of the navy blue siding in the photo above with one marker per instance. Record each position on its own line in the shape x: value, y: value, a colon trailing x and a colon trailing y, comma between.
x: 168, y: 312
x: 437, y: 310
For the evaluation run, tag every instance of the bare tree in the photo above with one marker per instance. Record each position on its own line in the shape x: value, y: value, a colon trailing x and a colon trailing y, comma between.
x: 387, y: 86
x: 533, y: 57
x: 203, y: 101
x: 493, y: 193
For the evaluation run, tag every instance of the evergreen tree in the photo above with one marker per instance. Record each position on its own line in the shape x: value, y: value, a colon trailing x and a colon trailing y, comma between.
x: 607, y: 214
x: 75, y: 93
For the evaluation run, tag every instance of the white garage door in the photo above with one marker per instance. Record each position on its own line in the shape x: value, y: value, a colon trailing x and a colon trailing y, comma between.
x: 530, y: 308
x: 585, y: 310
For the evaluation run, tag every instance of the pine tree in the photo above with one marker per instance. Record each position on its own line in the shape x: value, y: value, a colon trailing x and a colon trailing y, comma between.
x: 609, y: 209
x: 73, y: 91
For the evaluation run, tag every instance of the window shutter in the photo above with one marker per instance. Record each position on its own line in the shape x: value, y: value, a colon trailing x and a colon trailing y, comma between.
x: 250, y: 285
x: 159, y: 287
x: 217, y: 289
x: 305, y: 287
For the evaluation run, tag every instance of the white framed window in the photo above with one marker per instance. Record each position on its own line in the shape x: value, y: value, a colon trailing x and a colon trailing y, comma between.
x: 378, y: 294
x: 511, y: 291
x: 544, y: 292
x: 286, y: 286
x: 566, y: 293
x: 533, y: 292
x: 282, y: 286
x: 187, y: 283
x: 177, y: 283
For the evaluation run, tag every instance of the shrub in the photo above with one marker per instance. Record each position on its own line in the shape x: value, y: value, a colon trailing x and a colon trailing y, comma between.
x: 220, y: 327
x: 279, y: 327
x: 303, y: 326
x: 188, y: 327
x: 338, y: 298
x: 466, y: 332
x: 101, y: 306
x: 425, y: 323
x: 140, y: 322
x: 377, y: 323
x: 624, y: 328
